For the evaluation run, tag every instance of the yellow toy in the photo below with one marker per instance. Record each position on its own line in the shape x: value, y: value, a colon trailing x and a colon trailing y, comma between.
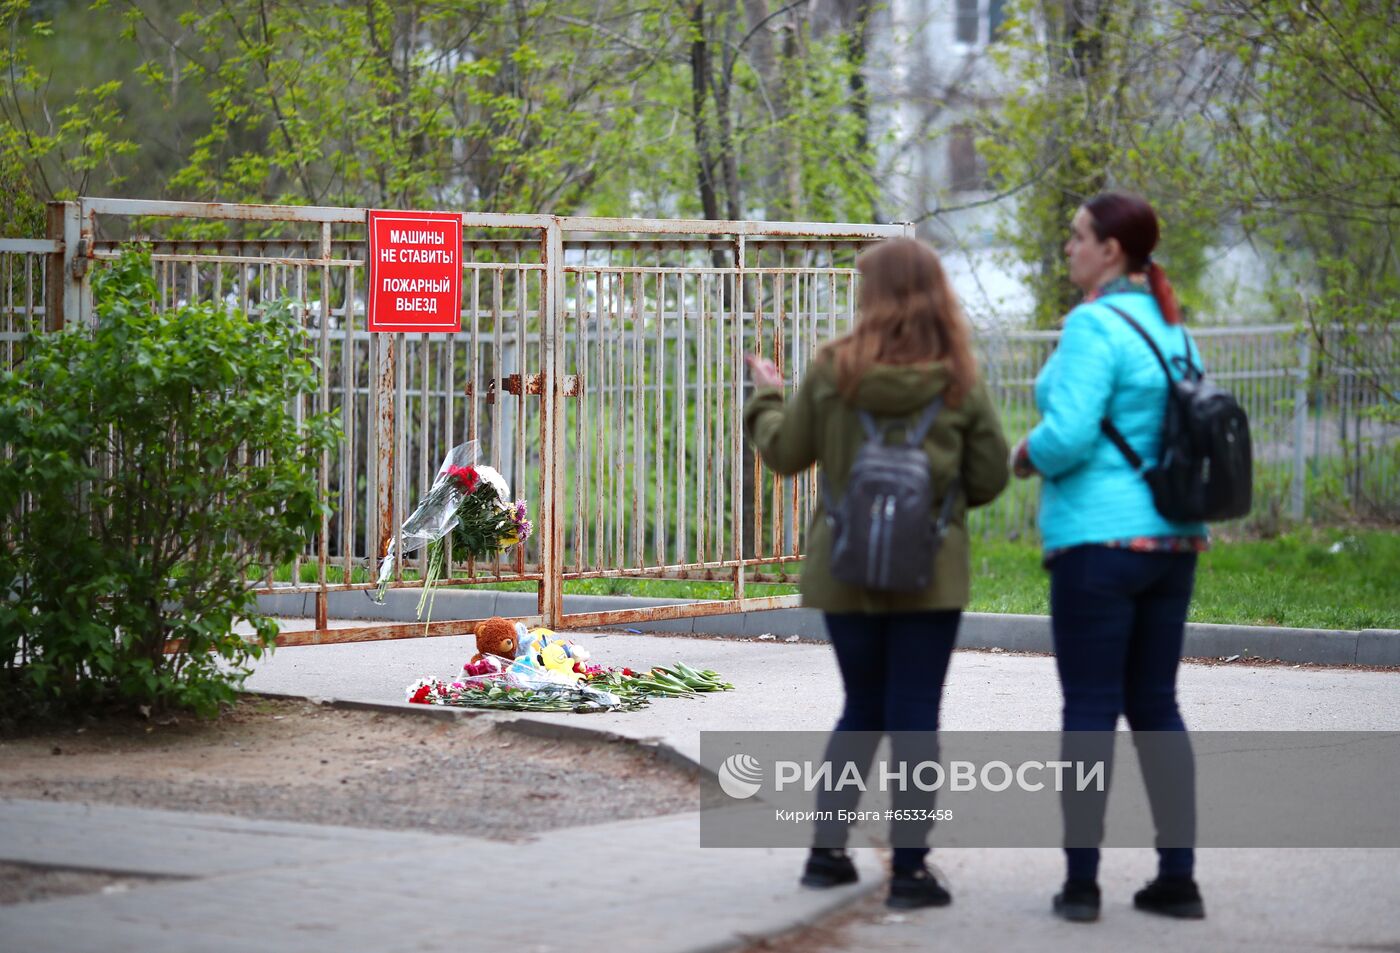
x: 543, y: 652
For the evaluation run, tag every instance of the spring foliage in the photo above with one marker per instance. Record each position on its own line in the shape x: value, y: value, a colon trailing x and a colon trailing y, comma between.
x: 153, y: 462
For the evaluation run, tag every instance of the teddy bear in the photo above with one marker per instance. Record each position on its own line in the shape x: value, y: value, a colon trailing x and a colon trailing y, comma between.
x: 498, y: 637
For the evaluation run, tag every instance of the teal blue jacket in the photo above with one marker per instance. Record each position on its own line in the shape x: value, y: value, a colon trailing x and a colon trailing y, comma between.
x: 1102, y: 367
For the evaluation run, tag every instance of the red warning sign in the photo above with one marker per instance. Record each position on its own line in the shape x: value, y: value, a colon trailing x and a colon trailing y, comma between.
x: 415, y: 271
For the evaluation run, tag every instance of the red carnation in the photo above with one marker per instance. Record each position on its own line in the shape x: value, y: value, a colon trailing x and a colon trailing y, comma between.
x: 467, y: 477
x: 420, y: 697
x: 628, y: 672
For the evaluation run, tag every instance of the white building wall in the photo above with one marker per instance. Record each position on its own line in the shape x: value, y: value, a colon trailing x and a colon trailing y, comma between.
x: 924, y: 83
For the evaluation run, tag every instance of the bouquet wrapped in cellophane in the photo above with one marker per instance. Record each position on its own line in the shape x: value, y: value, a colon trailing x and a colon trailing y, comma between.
x: 468, y: 503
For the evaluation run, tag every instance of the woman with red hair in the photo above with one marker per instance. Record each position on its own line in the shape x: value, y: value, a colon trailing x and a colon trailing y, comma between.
x: 1121, y: 574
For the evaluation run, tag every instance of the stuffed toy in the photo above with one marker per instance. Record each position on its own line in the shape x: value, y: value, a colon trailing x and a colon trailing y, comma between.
x: 499, y: 637
x: 542, y: 653
x: 559, y: 658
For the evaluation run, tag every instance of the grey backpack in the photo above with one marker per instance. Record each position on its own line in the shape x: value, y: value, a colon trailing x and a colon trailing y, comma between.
x: 883, y: 533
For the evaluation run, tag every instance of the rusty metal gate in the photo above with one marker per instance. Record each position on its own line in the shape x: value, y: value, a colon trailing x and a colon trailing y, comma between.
x: 599, y: 364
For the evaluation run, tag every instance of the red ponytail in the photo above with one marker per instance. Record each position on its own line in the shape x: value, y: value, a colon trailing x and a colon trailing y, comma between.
x: 1162, y: 291
x: 1129, y: 219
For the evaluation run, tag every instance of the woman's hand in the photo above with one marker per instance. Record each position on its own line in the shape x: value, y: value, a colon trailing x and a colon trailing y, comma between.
x: 1021, y: 466
x: 763, y: 372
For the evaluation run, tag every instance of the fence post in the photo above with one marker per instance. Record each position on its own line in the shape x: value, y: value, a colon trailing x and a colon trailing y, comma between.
x: 66, y: 272
x: 1300, y: 428
x: 385, y: 440
x: 551, y: 513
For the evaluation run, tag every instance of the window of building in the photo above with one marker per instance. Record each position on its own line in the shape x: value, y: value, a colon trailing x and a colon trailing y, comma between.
x: 969, y: 22
x: 979, y: 21
x: 996, y: 19
x: 967, y: 171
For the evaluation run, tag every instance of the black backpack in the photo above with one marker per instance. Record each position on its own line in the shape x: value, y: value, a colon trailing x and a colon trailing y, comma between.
x: 883, y: 535
x: 1205, y: 468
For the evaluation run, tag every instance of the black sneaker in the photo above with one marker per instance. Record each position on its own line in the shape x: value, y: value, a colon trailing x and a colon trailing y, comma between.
x: 828, y: 867
x: 1171, y: 897
x: 1077, y: 901
x: 916, y: 888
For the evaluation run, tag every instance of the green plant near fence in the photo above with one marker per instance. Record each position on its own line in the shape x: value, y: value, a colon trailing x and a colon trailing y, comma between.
x: 150, y: 463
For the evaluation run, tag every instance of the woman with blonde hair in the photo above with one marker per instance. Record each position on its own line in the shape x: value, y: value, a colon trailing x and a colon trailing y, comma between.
x: 905, y: 368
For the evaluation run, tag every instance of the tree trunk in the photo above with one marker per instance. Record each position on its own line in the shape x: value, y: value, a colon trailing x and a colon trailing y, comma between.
x: 699, y: 86
x: 792, y: 158
x: 728, y: 159
x: 855, y: 42
x: 1076, y: 61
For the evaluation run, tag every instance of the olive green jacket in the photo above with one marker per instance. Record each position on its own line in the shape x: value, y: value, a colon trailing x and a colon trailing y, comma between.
x: 818, y: 426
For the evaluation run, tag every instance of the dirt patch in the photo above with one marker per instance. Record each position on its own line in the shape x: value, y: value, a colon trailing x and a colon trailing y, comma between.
x: 831, y: 933
x: 298, y: 761
x: 23, y: 884
x: 1250, y: 661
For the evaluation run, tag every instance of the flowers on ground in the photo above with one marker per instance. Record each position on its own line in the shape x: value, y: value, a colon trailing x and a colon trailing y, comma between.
x: 424, y: 690
x: 530, y: 683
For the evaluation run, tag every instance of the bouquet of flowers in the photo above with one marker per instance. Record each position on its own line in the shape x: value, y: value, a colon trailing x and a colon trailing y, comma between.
x: 540, y: 679
x: 512, y: 692
x: 467, y: 503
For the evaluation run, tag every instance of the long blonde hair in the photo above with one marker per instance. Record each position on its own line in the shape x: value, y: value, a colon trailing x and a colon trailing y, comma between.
x: 908, y: 313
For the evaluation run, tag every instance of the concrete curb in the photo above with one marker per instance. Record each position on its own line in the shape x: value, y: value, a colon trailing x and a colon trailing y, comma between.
x: 780, y: 926
x: 518, y: 722
x: 1015, y: 633
x: 436, y: 712
x: 840, y: 899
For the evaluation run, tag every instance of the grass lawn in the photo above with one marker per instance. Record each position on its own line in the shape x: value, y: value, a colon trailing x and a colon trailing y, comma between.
x: 1335, y: 579
x: 1318, y: 579
x: 1327, y: 580
x: 1293, y: 580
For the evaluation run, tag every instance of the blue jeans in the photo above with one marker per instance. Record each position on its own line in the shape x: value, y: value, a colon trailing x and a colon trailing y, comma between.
x: 892, y: 667
x: 1118, y: 619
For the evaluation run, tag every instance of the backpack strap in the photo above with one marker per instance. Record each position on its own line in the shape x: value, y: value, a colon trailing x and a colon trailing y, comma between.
x: 914, y: 437
x: 1148, y: 338
x: 915, y: 433
x: 1116, y: 436
x: 872, y: 429
x: 1191, y: 371
x: 946, y: 512
x: 1106, y: 425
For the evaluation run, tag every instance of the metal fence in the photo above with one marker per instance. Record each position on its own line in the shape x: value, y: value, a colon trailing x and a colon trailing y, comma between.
x: 1324, y: 425
x: 600, y: 366
x: 24, y: 278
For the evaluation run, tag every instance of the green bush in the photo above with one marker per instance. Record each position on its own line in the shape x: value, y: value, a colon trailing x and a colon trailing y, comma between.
x: 151, y: 463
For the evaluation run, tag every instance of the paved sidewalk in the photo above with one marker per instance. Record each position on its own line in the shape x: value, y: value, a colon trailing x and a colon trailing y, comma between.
x: 646, y: 885
x: 1259, y: 900
x: 266, y: 886
x: 792, y: 686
